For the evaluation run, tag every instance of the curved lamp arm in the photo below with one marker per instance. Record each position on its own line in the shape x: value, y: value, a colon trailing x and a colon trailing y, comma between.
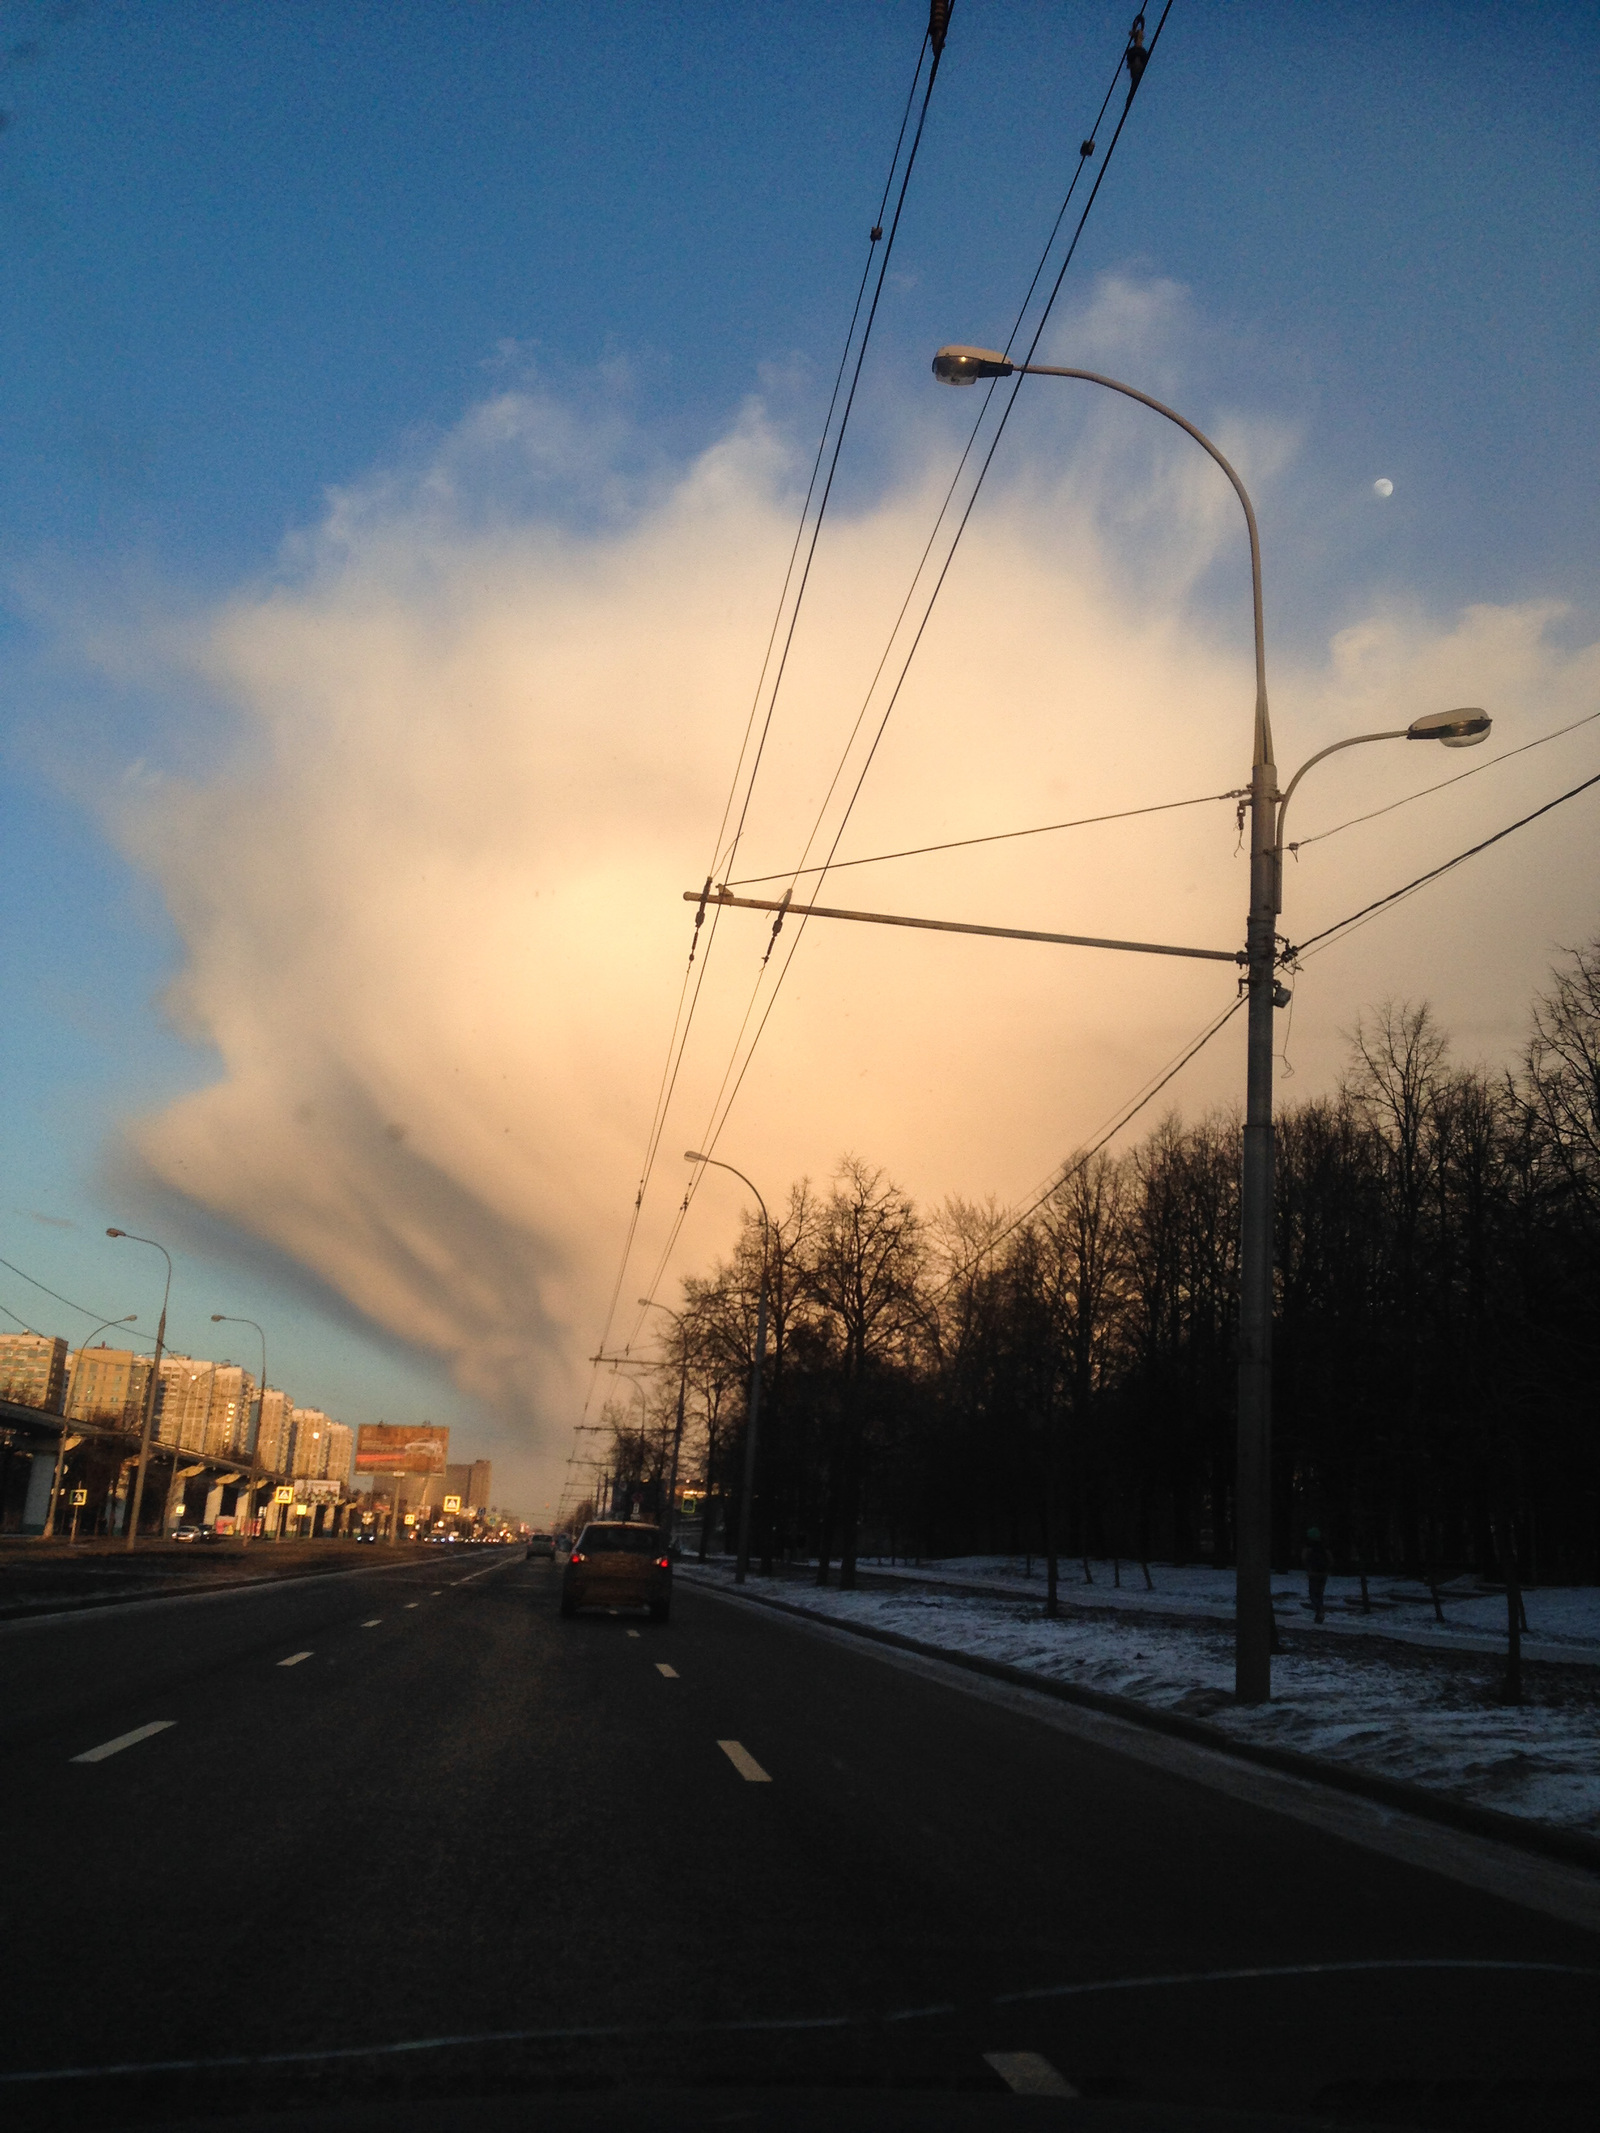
x: 965, y: 366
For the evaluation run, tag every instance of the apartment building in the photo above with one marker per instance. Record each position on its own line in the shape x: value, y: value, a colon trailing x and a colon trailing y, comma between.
x: 106, y: 1387
x: 204, y: 1407
x: 276, y: 1435
x: 33, y: 1369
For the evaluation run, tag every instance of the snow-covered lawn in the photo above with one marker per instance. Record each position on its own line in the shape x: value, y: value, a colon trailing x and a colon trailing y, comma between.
x: 1428, y: 1716
x: 1563, y: 1621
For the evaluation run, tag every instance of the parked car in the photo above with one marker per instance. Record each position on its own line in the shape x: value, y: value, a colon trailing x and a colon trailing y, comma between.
x: 541, y: 1544
x: 192, y: 1533
x: 618, y: 1564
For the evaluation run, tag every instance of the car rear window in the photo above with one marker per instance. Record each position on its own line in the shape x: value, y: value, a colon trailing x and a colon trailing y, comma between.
x: 619, y: 1540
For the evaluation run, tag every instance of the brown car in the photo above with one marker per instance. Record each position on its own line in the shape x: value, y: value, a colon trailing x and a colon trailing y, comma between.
x: 615, y: 1564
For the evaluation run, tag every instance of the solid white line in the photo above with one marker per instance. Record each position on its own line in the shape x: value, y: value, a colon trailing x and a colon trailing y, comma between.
x: 294, y: 1659
x: 1029, y: 2074
x: 373, y: 1623
x: 669, y: 1672
x: 124, y: 1740
x: 744, y: 1762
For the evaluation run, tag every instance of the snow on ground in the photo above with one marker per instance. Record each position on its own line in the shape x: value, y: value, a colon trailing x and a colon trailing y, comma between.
x: 1428, y: 1717
x: 1563, y: 1620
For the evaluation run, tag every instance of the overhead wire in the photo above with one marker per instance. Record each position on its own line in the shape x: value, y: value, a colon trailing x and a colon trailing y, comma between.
x: 67, y: 1300
x: 726, y: 1097
x: 960, y: 844
x: 1124, y: 1117
x: 1325, y: 938
x: 791, y: 599
x: 709, y: 1142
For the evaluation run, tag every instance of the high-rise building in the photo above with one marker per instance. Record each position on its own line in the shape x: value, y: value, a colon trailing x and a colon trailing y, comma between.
x: 341, y: 1449
x: 204, y: 1407
x: 106, y: 1387
x: 33, y: 1369
x: 314, y: 1441
x: 275, y: 1439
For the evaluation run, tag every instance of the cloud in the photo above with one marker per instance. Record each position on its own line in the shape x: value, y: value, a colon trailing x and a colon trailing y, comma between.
x: 483, y: 721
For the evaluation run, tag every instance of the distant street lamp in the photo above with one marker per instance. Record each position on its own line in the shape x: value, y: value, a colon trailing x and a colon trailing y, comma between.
x: 150, y: 1389
x: 956, y: 365
x: 741, y: 1566
x: 225, y: 1318
x: 72, y: 1390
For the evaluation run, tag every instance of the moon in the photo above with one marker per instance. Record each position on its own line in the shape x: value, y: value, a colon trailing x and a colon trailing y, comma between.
x: 1383, y: 486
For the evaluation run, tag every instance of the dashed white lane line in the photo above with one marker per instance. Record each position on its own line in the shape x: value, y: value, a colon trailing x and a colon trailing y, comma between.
x: 124, y: 1740
x: 294, y: 1659
x: 1029, y: 2074
x: 436, y: 1592
x: 373, y: 1623
x: 744, y: 1762
x: 670, y: 1673
x: 412, y: 1603
x: 633, y: 1633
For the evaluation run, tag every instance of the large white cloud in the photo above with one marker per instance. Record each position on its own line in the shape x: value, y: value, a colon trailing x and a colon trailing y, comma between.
x: 431, y: 912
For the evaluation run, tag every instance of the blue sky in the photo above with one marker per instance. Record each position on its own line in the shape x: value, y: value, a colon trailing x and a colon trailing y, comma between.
x: 254, y: 255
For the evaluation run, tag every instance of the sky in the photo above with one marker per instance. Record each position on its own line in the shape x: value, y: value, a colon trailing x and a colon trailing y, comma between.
x: 408, y: 409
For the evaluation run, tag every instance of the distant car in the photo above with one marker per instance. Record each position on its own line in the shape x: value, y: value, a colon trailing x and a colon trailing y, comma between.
x: 192, y: 1533
x: 368, y: 1534
x: 542, y: 1544
x: 617, y: 1564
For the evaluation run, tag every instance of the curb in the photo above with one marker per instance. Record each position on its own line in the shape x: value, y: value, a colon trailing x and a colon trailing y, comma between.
x: 1571, y: 1848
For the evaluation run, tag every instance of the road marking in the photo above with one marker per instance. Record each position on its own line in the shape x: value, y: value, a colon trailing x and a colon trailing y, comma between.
x: 633, y: 1633
x: 436, y: 1592
x: 1029, y: 2074
x: 744, y: 1762
x: 373, y: 1623
x: 670, y: 1673
x: 412, y: 1603
x: 294, y: 1659
x: 124, y: 1740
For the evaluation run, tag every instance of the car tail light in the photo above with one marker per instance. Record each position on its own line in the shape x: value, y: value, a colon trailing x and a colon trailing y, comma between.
x: 575, y: 1557
x: 663, y: 1562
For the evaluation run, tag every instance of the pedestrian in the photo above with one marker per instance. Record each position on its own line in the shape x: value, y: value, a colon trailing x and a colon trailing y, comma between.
x: 1317, y: 1564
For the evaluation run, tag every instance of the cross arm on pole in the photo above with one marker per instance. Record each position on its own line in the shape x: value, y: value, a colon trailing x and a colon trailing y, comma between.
x: 950, y: 925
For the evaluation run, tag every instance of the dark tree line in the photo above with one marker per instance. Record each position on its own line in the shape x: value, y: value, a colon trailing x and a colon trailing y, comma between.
x: 938, y: 1383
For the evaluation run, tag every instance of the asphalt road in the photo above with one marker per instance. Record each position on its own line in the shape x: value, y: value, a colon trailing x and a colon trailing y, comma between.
x: 413, y: 1804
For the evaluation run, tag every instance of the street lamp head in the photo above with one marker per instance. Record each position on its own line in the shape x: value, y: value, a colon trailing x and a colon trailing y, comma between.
x: 1464, y: 728
x: 965, y: 366
x: 693, y: 1155
x: 116, y: 1232
x: 217, y: 1318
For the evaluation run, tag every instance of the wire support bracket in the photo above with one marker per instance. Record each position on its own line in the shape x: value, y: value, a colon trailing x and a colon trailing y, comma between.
x: 953, y: 925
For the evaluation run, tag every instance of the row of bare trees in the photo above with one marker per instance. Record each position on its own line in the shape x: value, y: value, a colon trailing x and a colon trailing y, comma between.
x: 941, y: 1383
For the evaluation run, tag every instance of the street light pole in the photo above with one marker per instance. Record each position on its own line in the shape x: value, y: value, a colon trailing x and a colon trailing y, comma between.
x: 225, y: 1318
x: 741, y: 1565
x: 151, y: 1388
x: 1253, y: 1634
x: 649, y: 1304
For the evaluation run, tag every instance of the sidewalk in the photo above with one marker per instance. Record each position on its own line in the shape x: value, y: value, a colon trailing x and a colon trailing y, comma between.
x: 1417, y: 1709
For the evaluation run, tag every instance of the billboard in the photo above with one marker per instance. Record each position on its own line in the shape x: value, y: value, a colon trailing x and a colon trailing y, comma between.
x: 398, y: 1448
